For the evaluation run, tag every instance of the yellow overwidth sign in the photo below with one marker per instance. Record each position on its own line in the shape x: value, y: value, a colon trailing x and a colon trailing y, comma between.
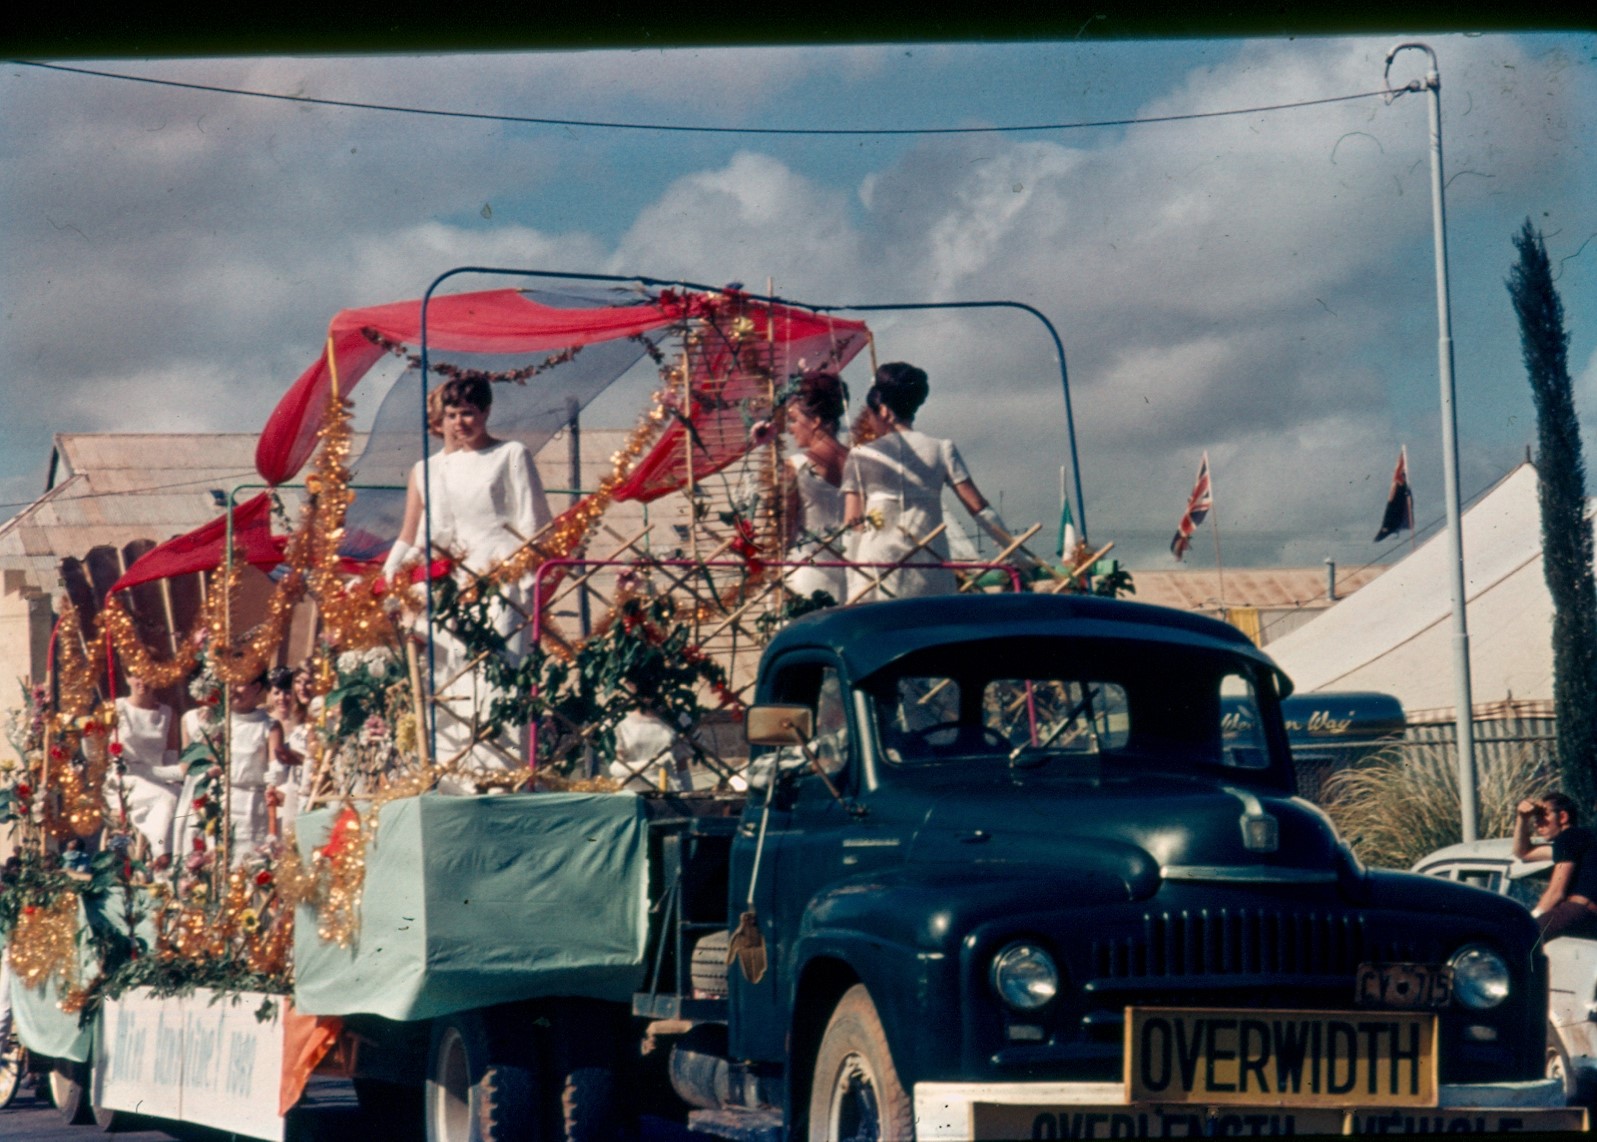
x: 1281, y: 1058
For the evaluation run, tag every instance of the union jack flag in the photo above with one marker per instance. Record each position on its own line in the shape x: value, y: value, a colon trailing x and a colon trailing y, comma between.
x: 1198, y: 505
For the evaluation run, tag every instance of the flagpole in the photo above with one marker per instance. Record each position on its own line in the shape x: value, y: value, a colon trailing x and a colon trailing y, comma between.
x: 1432, y: 83
x: 1214, y: 519
x: 1408, y: 508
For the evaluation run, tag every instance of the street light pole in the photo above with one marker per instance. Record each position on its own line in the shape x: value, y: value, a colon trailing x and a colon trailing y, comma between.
x: 1444, y: 351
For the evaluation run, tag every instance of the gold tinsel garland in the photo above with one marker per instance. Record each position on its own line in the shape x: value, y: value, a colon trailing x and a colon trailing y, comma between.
x: 76, y: 675
x: 44, y: 944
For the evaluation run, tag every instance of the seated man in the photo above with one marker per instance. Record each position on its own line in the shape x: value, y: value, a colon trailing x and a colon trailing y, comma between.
x: 1567, y: 907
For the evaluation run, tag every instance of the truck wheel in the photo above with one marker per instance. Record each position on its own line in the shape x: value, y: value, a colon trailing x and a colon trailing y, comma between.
x: 69, y: 1090
x: 472, y: 1097
x: 855, y: 1092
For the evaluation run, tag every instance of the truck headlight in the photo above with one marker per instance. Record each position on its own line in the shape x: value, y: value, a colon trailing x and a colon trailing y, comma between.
x: 1480, y: 977
x: 1024, y: 976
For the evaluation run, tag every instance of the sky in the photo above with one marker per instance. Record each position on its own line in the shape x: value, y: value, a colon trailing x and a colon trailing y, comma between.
x: 1260, y: 287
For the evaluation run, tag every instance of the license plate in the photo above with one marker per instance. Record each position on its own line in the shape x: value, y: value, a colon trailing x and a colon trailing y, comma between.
x: 1404, y: 987
x: 1002, y: 1120
x: 991, y: 1120
x: 1280, y: 1058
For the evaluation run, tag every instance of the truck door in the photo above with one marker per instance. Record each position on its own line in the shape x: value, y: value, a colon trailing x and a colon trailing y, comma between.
x: 802, y: 848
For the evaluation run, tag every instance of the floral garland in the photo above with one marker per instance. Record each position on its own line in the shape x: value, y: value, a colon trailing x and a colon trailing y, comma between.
x: 456, y: 372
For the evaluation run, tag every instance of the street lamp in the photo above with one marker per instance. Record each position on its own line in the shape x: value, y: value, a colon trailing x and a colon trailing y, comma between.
x: 1444, y: 351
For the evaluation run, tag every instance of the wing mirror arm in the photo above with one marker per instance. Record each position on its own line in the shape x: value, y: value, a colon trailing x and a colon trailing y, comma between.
x: 793, y: 726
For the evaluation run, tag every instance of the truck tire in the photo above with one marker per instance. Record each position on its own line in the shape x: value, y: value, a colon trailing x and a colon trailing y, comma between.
x: 472, y: 1096
x: 707, y: 968
x: 69, y: 1090
x: 855, y: 1092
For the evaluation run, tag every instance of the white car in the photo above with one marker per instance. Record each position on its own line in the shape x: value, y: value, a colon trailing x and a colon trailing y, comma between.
x: 1571, y: 961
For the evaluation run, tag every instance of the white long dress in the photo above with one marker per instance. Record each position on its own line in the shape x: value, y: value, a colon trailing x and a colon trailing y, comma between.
x: 900, y: 478
x: 150, y: 786
x: 198, y: 724
x: 249, y: 760
x: 484, y: 504
x: 289, y: 779
x: 821, y: 507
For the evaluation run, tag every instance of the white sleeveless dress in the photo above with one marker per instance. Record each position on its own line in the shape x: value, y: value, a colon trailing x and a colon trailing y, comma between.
x: 821, y: 506
x: 150, y: 786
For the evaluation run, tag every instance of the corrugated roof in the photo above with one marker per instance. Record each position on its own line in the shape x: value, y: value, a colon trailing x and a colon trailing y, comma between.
x: 1264, y: 588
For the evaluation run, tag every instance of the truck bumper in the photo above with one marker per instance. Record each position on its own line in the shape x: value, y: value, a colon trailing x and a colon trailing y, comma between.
x: 1100, y: 1110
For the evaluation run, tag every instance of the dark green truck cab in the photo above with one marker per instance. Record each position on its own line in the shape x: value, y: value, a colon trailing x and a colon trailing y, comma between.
x: 1027, y: 879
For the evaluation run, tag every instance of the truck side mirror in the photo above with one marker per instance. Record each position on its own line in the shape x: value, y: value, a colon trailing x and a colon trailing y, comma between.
x: 779, y: 725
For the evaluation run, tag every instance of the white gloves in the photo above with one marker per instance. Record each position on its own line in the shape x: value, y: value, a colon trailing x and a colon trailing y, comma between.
x: 401, y: 552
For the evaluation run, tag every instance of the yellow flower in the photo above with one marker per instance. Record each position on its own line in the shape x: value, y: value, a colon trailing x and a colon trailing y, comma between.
x: 876, y: 519
x: 249, y: 920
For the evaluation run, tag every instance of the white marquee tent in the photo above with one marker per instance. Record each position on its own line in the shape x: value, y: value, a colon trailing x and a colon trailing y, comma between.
x: 1396, y: 634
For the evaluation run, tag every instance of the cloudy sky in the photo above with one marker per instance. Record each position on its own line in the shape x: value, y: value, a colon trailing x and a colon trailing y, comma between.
x: 1259, y: 286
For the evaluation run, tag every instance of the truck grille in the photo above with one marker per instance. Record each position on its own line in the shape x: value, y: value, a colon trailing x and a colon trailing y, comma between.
x: 1240, y: 941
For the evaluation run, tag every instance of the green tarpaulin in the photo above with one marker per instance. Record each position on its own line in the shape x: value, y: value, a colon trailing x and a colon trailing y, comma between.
x: 471, y: 901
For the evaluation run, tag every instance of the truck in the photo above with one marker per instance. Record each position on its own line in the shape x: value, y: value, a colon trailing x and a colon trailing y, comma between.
x: 1005, y: 867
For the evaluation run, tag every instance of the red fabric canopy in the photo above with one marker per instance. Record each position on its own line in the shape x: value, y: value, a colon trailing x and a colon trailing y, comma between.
x: 798, y: 339
x: 205, y: 548
x: 498, y: 321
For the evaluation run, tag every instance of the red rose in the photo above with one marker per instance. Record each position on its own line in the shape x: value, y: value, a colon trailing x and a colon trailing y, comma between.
x: 57, y: 753
x: 24, y: 790
x: 199, y: 844
x: 263, y: 878
x: 199, y: 803
x: 116, y: 749
x: 28, y: 910
x: 91, y: 726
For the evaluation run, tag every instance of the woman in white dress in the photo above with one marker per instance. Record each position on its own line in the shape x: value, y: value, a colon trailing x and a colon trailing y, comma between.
x: 151, y: 779
x: 485, y: 500
x: 815, y: 497
x: 254, y: 739
x: 893, y: 494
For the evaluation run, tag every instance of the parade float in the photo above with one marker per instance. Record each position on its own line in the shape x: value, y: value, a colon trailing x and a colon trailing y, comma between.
x: 205, y: 987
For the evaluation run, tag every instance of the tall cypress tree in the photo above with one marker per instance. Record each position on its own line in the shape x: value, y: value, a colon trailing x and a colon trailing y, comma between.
x: 1566, y: 534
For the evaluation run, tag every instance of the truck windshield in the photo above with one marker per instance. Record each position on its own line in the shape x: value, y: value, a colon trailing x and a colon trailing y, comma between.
x: 925, y: 717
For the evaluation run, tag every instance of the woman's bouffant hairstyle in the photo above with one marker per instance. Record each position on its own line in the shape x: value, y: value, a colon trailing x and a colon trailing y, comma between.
x: 474, y: 391
x: 824, y: 396
x: 435, y: 412
x: 901, y: 388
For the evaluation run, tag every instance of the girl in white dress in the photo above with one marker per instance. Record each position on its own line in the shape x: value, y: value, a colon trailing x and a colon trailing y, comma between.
x: 893, y: 494
x: 152, y: 779
x: 485, y: 500
x: 815, y: 499
x: 283, y: 776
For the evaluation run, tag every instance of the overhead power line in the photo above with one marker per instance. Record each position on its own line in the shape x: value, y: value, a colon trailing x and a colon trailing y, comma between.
x: 683, y: 127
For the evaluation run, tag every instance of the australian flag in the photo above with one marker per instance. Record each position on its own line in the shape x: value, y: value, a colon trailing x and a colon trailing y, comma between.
x: 1399, y: 502
x: 1198, y: 505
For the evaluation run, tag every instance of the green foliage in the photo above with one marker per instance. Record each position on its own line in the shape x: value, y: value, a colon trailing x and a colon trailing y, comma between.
x: 1114, y: 584
x: 1402, y: 802
x: 1566, y: 536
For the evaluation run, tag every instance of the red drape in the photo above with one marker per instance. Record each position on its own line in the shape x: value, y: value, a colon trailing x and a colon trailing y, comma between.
x: 497, y: 321
x: 205, y: 548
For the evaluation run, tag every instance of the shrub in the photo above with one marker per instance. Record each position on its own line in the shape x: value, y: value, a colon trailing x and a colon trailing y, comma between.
x: 1402, y: 802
